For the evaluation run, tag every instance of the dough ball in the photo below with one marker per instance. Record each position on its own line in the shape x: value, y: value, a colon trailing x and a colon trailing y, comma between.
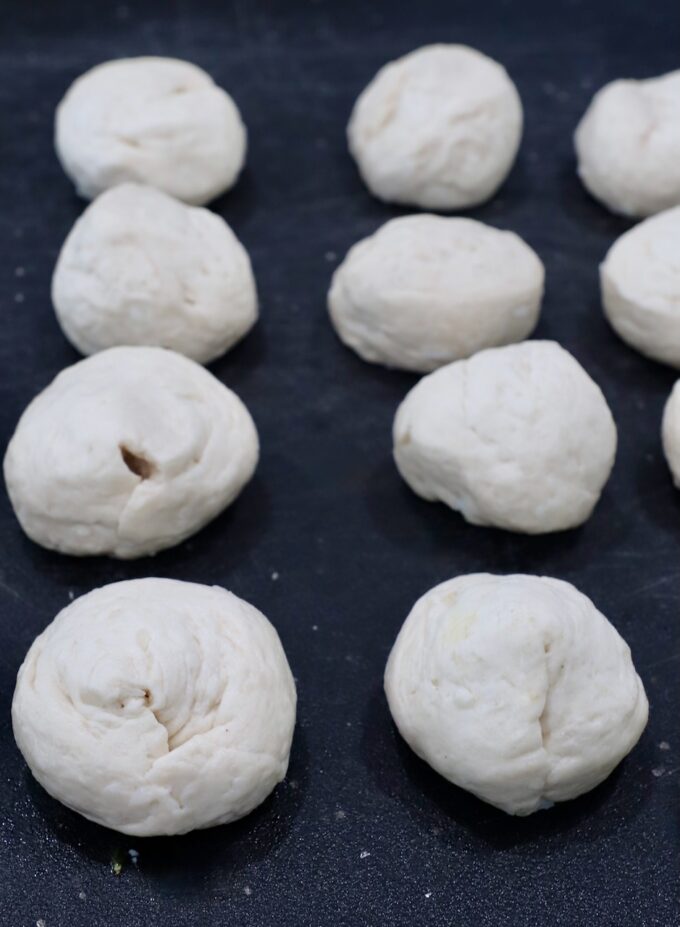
x: 128, y: 452
x: 640, y: 280
x: 515, y: 688
x: 628, y: 145
x: 426, y: 290
x: 670, y: 433
x: 142, y: 268
x: 518, y: 438
x: 438, y: 128
x: 156, y: 707
x: 152, y: 120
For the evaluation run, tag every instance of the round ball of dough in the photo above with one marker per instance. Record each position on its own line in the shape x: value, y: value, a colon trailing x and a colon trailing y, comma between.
x: 518, y: 438
x: 628, y: 145
x: 640, y: 280
x: 153, y: 120
x: 515, y: 688
x: 426, y: 290
x: 157, y: 707
x: 670, y: 433
x: 128, y: 452
x: 140, y: 267
x: 438, y: 128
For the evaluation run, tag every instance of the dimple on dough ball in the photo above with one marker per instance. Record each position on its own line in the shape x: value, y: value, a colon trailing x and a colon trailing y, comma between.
x: 128, y: 452
x: 670, y: 433
x: 158, y: 121
x: 142, y: 268
x: 517, y: 437
x: 640, y: 280
x: 426, y: 290
x: 515, y: 688
x: 156, y: 707
x: 438, y: 128
x: 628, y: 145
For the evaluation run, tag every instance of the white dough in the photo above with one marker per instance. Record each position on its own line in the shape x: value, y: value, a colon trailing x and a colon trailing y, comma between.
x: 640, y: 280
x: 140, y: 267
x: 157, y: 707
x: 438, y: 128
x: 670, y: 433
x: 128, y: 452
x: 517, y: 437
x: 426, y: 290
x: 158, y: 121
x: 628, y: 145
x: 515, y: 688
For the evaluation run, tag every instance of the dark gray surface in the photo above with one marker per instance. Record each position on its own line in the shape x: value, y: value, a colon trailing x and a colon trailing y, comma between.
x: 361, y: 833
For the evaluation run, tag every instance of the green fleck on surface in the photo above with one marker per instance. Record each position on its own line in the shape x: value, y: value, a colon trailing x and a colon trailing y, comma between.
x: 117, y: 862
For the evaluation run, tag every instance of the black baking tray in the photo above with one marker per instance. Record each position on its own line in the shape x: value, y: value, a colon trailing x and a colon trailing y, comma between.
x: 327, y: 540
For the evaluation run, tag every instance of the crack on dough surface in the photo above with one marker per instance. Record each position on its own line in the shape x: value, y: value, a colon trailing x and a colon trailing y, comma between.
x: 128, y: 452
x: 156, y: 707
x: 137, y: 464
x: 555, y: 702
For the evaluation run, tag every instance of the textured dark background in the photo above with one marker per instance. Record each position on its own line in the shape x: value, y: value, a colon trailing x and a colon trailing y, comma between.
x: 327, y: 541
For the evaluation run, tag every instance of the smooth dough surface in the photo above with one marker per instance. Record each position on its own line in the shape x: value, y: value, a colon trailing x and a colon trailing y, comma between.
x: 427, y: 290
x: 156, y: 707
x: 670, y: 433
x: 517, y: 437
x: 141, y: 268
x: 128, y: 452
x: 640, y: 281
x: 515, y: 688
x: 158, y: 121
x: 438, y: 128
x: 628, y: 145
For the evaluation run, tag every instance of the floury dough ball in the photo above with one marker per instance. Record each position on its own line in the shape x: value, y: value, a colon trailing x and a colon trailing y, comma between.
x: 157, y: 121
x: 157, y: 707
x: 628, y: 145
x: 128, y: 452
x: 640, y: 280
x: 426, y: 290
x: 438, y: 128
x: 141, y: 268
x: 517, y: 437
x: 670, y: 433
x: 515, y: 688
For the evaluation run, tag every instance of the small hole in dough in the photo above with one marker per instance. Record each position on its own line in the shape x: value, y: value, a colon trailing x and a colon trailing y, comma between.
x: 136, y: 464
